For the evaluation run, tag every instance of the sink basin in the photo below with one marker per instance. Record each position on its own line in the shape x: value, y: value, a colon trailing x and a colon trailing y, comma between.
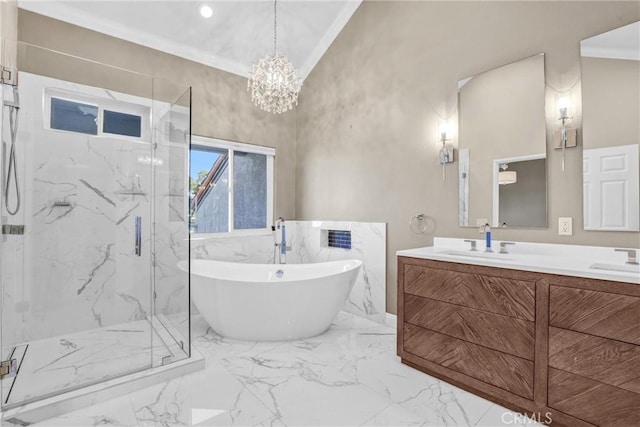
x: 475, y: 255
x: 625, y: 268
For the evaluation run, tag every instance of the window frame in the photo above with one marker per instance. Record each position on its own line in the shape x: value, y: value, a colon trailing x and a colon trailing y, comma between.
x: 143, y: 111
x: 233, y: 146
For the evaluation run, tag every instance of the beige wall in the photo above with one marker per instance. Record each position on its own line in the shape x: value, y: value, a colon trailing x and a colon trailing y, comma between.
x: 500, y: 115
x: 366, y: 147
x: 221, y: 106
x: 610, y: 102
x: 8, y: 33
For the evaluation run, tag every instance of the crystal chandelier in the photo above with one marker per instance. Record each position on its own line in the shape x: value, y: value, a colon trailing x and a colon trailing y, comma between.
x: 274, y: 83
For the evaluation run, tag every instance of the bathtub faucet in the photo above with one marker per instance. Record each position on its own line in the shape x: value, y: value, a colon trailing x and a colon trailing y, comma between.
x: 281, y: 248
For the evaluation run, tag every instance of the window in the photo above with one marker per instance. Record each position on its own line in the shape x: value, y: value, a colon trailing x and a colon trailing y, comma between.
x: 121, y: 123
x: 231, y: 186
x: 74, y: 116
x: 81, y: 113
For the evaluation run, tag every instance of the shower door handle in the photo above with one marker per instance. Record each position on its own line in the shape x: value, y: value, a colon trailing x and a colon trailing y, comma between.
x: 138, y: 237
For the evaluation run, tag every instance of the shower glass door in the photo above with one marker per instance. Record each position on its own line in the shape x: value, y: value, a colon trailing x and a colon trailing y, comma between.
x: 77, y: 306
x: 172, y: 108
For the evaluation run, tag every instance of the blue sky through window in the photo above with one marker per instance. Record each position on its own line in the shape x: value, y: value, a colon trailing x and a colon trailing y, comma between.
x: 201, y: 160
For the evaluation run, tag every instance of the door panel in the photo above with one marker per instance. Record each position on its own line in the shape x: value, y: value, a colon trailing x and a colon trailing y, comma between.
x: 611, y: 181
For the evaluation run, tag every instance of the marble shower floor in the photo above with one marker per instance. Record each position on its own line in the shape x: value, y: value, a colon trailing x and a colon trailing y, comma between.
x: 66, y: 362
x: 349, y: 376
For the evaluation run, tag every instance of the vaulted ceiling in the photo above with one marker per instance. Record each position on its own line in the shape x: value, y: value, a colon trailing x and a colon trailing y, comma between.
x: 238, y: 33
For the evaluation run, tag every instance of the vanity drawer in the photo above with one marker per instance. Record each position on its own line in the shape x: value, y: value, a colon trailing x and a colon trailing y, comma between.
x: 506, y: 296
x: 498, y: 332
x: 592, y: 401
x: 603, y: 314
x: 493, y: 367
x: 611, y: 362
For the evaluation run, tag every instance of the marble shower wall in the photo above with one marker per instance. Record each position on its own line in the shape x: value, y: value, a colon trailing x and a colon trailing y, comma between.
x: 77, y: 255
x: 245, y: 249
x: 367, y: 299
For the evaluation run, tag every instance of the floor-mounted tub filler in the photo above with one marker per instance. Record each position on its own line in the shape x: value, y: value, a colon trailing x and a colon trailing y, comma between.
x: 267, y: 302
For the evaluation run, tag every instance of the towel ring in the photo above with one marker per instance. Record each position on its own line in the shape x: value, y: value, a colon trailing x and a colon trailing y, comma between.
x: 422, y: 224
x: 418, y: 224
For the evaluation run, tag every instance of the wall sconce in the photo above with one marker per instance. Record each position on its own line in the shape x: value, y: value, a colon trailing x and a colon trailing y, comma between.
x: 564, y: 138
x: 446, y: 152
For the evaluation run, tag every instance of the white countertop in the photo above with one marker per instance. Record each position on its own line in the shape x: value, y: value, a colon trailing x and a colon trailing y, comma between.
x: 567, y: 260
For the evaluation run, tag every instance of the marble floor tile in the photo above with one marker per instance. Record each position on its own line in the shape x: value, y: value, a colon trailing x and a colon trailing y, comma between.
x: 305, y: 402
x: 115, y: 412
x: 211, y: 397
x: 368, y: 357
x: 395, y: 415
x: 434, y: 401
x: 70, y: 361
x: 497, y: 416
x: 348, y: 376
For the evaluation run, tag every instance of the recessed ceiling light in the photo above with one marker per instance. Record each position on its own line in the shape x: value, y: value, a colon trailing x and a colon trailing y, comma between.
x: 206, y: 11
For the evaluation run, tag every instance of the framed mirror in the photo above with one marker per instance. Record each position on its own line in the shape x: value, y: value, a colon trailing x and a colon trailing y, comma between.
x: 611, y: 129
x: 502, y: 146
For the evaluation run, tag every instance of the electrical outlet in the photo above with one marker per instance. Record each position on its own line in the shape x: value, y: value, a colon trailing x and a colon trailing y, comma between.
x: 565, y: 226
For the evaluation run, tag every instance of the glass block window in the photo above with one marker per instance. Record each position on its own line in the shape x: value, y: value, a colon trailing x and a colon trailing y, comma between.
x: 122, y: 124
x: 74, y: 116
x: 339, y: 239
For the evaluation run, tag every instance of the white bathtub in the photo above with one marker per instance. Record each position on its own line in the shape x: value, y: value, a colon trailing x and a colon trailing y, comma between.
x: 250, y: 301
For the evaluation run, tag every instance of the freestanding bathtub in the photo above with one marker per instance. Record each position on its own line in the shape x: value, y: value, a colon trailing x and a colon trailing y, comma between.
x: 270, y: 302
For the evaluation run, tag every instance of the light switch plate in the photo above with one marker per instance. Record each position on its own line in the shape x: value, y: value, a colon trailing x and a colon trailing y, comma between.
x: 565, y: 226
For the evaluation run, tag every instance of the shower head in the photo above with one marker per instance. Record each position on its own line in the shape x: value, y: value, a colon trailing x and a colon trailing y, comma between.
x: 16, y: 99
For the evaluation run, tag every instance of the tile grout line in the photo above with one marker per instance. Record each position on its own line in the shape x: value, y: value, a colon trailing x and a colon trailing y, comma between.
x: 483, y: 414
x: 133, y: 409
x: 375, y: 415
x: 247, y: 389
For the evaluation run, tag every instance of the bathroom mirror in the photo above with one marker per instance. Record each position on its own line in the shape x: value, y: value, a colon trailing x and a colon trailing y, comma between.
x: 520, y: 191
x: 611, y: 130
x: 502, y: 146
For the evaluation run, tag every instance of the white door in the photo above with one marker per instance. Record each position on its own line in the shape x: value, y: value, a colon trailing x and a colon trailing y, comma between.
x: 611, y: 182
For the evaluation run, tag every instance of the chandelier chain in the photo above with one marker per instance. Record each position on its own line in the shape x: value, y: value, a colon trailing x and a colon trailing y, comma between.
x: 275, y: 25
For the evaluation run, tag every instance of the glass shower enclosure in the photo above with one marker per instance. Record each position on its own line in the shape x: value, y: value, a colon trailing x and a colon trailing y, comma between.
x: 94, y: 217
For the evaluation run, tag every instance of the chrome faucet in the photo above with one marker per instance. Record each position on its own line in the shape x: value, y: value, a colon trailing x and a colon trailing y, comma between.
x: 632, y: 255
x: 473, y: 245
x: 281, y: 248
x: 503, y: 247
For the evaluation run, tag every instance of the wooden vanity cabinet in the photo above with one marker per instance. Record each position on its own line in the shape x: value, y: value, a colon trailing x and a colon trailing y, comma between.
x: 562, y: 347
x: 594, y: 355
